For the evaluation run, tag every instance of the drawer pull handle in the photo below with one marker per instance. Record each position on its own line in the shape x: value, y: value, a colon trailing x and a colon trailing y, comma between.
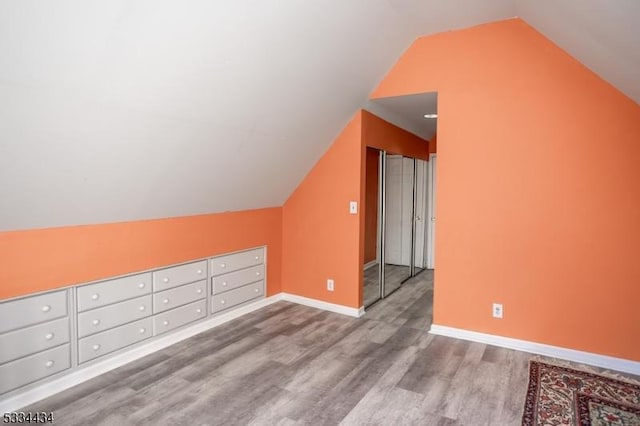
x: 143, y: 330
x: 199, y: 291
x: 141, y: 285
x: 141, y: 308
x: 46, y: 308
x: 258, y: 273
x: 222, y: 265
x: 95, y: 322
x: 165, y: 279
x: 257, y: 257
x: 199, y: 271
x: 96, y: 347
x: 256, y: 290
x: 95, y: 296
x: 198, y: 310
x: 49, y: 336
x: 49, y: 364
x: 165, y: 322
x: 224, y: 284
x: 165, y: 301
x: 222, y: 302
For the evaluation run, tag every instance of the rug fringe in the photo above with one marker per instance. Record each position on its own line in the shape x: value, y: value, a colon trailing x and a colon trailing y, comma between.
x: 586, y: 368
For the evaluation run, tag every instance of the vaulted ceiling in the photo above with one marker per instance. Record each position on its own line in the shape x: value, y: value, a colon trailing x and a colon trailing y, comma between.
x: 136, y: 109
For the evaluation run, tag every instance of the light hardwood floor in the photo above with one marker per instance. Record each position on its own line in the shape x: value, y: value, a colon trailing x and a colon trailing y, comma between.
x: 288, y: 364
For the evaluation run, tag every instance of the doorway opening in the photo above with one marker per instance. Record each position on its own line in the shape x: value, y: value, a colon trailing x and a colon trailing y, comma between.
x: 399, y: 211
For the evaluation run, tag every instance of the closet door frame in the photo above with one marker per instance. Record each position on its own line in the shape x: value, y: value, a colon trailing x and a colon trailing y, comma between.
x: 382, y: 228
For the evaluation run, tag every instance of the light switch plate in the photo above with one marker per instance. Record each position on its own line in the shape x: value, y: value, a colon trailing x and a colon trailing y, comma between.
x: 353, y: 207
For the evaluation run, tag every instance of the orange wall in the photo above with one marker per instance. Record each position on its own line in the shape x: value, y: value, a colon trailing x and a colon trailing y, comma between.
x: 538, y: 189
x: 313, y: 232
x: 433, y: 144
x: 380, y: 134
x: 320, y: 239
x: 43, y: 259
x: 371, y: 205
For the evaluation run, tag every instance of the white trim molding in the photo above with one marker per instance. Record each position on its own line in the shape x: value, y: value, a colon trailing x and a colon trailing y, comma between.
x: 319, y: 304
x: 597, y: 360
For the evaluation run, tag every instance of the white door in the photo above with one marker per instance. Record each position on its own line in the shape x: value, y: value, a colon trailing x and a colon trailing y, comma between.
x: 398, y: 208
x: 431, y: 234
x: 393, y: 210
x: 407, y: 209
x: 421, y: 213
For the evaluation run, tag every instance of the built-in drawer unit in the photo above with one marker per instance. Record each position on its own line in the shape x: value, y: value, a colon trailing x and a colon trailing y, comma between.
x: 35, y: 367
x: 236, y: 279
x: 107, y: 292
x: 233, y: 262
x: 180, y: 316
x: 111, y: 340
x: 27, y: 341
x: 169, y: 299
x: 42, y: 335
x: 32, y: 310
x: 179, y: 275
x: 229, y: 299
x: 97, y: 320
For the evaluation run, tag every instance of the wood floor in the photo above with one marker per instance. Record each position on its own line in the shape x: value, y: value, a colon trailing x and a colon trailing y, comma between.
x: 393, y: 275
x: 288, y: 364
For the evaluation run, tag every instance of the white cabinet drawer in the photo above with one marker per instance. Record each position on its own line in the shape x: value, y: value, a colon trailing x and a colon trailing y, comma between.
x: 179, y: 296
x: 107, y: 292
x: 101, y: 319
x: 227, y: 282
x: 179, y: 275
x: 231, y: 298
x: 236, y: 261
x: 35, y: 367
x: 111, y: 340
x: 32, y: 310
x: 179, y: 316
x: 27, y: 341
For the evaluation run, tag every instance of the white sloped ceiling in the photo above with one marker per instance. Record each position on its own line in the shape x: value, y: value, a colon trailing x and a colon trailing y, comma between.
x: 603, y: 35
x: 137, y: 109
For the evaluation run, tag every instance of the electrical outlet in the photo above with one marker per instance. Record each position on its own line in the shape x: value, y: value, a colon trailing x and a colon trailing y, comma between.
x: 497, y: 310
x: 330, y: 284
x: 353, y: 207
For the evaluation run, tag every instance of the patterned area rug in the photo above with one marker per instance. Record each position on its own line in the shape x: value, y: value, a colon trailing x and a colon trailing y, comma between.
x: 563, y: 396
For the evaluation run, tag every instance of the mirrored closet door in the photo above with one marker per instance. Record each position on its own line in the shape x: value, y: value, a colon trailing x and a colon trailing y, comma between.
x: 395, y: 233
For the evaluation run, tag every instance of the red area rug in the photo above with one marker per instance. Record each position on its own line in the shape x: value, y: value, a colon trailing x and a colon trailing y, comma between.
x: 560, y: 395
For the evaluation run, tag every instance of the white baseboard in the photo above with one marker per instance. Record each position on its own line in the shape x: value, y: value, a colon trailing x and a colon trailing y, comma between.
x: 603, y: 361
x: 331, y: 307
x: 82, y: 374
x: 371, y: 264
